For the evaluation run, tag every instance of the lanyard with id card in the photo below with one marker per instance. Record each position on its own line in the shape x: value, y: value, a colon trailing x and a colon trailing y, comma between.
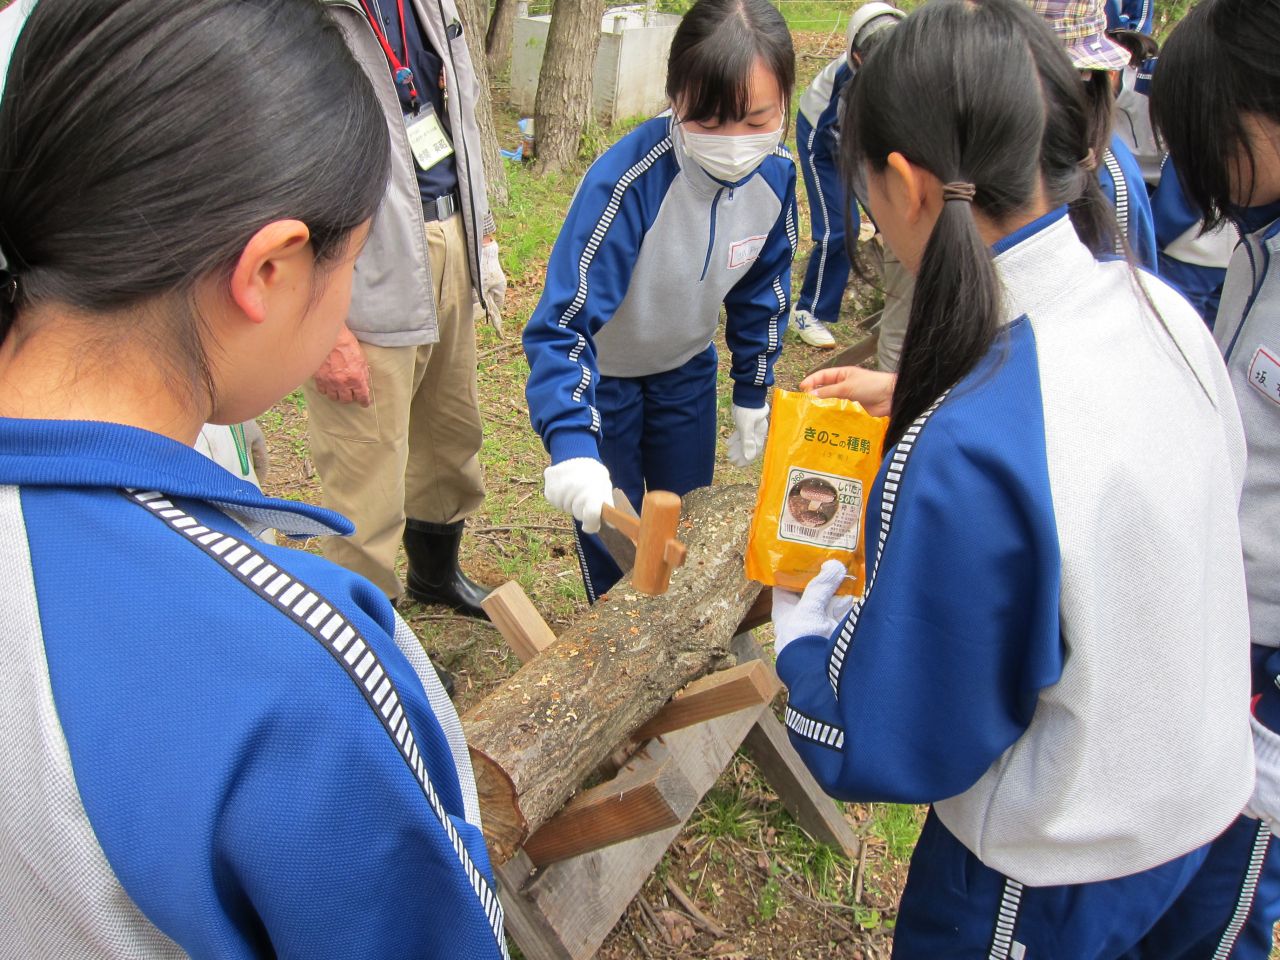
x: 427, y: 138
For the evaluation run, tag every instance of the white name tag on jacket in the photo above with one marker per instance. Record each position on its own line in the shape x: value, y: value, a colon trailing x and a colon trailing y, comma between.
x: 427, y: 139
x: 745, y: 251
x: 1264, y: 374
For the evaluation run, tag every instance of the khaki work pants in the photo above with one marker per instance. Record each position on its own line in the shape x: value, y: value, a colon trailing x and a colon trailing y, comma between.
x: 898, y: 286
x: 413, y: 452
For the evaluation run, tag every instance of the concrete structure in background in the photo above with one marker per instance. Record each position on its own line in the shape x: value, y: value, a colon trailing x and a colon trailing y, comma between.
x: 631, y: 66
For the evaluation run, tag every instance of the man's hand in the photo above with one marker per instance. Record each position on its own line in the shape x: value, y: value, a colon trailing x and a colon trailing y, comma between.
x: 344, y: 375
x: 871, y: 388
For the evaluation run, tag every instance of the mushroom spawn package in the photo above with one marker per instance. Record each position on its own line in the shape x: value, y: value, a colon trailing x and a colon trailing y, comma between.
x: 821, y: 458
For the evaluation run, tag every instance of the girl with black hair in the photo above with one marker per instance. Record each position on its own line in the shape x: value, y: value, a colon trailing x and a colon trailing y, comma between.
x: 1048, y: 650
x: 1216, y: 102
x: 213, y: 747
x: 690, y: 212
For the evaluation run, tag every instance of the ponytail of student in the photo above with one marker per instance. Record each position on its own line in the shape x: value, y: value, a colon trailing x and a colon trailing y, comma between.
x: 1217, y: 66
x: 144, y: 142
x: 965, y: 90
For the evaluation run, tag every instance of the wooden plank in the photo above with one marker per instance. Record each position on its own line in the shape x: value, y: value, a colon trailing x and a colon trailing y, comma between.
x: 565, y: 911
x: 513, y: 613
x: 749, y: 684
x: 647, y: 794
x: 795, y: 786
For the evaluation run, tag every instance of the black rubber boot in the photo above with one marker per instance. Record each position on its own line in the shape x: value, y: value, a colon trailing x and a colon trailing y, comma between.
x: 434, y: 577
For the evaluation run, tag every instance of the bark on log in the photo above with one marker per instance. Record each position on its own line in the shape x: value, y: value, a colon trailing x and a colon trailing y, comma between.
x: 536, y: 739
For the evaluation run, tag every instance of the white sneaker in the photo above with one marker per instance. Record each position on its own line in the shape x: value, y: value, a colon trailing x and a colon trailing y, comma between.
x: 812, y: 330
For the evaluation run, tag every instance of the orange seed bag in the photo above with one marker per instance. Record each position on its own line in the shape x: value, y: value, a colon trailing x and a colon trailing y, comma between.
x: 820, y: 461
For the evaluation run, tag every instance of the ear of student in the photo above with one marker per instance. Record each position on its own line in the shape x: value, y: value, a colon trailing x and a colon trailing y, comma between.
x: 276, y: 258
x: 913, y: 187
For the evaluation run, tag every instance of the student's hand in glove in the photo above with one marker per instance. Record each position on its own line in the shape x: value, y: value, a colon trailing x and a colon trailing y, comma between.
x: 746, y: 442
x: 1265, y: 802
x: 580, y: 486
x: 815, y: 613
x: 493, y: 282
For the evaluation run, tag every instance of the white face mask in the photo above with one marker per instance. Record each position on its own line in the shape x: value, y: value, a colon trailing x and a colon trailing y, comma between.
x: 730, y: 158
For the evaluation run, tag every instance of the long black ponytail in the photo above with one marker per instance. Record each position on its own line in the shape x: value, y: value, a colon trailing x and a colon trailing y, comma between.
x: 977, y: 92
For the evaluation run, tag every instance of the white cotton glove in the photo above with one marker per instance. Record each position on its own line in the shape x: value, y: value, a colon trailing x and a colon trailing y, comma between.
x: 493, y: 282
x: 580, y: 486
x: 816, y: 613
x: 1265, y: 802
x: 746, y: 442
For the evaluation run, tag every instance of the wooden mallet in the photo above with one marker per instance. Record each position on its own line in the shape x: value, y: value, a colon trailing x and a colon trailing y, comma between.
x: 658, y: 551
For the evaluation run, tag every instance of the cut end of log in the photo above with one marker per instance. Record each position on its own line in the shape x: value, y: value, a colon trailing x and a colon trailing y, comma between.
x: 505, y: 827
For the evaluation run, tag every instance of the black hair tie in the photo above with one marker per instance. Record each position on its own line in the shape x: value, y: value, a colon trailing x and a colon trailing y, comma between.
x: 958, y: 190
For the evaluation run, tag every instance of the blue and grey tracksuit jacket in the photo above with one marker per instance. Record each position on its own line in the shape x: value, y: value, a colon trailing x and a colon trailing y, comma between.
x: 214, y: 747
x: 1047, y: 649
x: 832, y: 215
x: 1194, y: 263
x: 651, y: 248
x: 1122, y: 184
x: 1136, y: 15
x: 1248, y: 330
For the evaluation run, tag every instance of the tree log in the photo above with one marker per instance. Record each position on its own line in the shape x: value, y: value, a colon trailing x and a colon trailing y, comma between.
x: 536, y: 738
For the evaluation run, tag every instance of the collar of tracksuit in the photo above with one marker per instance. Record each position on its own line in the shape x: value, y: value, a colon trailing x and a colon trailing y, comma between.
x: 81, y: 453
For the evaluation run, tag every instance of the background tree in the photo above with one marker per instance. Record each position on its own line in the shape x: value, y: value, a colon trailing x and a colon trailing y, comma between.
x: 475, y: 20
x: 563, y: 103
x: 497, y: 42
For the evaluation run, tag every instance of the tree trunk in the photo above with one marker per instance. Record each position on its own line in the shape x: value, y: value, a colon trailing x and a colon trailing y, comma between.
x: 497, y: 42
x: 563, y: 103
x: 475, y: 19
x: 536, y: 739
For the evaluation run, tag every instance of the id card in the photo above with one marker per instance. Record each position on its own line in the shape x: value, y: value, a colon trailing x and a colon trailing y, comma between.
x: 427, y: 139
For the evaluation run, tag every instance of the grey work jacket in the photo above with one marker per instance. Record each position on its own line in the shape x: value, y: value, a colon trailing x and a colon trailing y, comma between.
x: 392, y: 298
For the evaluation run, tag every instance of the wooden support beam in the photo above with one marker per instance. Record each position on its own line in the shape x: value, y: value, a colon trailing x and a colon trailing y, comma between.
x: 564, y: 911
x: 782, y: 769
x: 513, y: 613
x: 649, y: 793
x: 750, y: 684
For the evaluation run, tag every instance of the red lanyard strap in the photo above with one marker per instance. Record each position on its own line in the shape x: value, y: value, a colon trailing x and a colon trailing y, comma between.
x: 401, y: 71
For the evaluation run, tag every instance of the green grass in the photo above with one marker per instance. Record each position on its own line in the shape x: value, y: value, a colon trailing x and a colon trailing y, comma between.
x: 898, y: 826
x: 528, y: 225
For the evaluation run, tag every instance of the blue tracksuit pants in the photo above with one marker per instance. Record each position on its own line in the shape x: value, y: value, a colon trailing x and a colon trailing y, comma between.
x: 827, y: 272
x: 1230, y: 907
x: 956, y: 908
x: 658, y: 432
